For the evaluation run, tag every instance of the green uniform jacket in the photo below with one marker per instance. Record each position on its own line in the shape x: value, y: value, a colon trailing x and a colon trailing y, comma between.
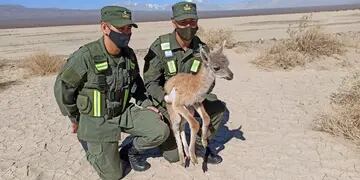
x: 95, y: 88
x: 163, y: 54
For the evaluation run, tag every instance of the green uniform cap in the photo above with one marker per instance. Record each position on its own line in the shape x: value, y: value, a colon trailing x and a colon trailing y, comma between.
x: 117, y: 16
x: 184, y: 10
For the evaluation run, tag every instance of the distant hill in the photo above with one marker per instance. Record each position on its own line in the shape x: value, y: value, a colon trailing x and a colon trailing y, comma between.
x: 16, y: 16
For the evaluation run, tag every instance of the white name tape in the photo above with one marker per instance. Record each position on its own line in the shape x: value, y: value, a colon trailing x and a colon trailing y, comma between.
x: 165, y: 46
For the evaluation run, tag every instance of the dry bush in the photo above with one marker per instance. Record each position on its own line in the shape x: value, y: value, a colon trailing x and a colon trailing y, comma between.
x: 215, y: 37
x: 311, y: 40
x: 42, y: 63
x: 344, y: 117
x: 307, y: 41
x: 280, y: 56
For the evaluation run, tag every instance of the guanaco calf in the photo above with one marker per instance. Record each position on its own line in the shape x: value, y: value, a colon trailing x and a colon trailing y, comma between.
x: 185, y: 91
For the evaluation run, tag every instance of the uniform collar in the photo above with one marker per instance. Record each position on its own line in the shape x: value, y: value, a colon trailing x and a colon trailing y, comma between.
x: 194, y: 45
x: 111, y: 59
x: 173, y: 42
x: 193, y: 49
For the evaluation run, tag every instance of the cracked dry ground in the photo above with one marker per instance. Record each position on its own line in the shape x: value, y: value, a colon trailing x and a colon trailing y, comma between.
x: 274, y: 109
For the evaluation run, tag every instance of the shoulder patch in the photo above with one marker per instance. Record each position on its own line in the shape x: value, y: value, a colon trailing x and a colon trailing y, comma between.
x: 71, y: 76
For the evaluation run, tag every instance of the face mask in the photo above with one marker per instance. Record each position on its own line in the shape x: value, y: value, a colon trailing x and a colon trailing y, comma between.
x: 121, y: 40
x: 187, y: 33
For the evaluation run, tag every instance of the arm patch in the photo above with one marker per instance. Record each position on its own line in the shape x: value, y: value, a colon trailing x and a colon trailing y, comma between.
x: 71, y: 77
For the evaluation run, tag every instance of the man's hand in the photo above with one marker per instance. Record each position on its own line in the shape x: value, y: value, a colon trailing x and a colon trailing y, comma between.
x: 152, y: 108
x: 170, y: 97
x: 74, y: 127
x: 74, y: 124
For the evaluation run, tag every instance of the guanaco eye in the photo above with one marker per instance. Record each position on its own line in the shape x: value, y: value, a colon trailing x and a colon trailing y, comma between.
x: 216, y: 68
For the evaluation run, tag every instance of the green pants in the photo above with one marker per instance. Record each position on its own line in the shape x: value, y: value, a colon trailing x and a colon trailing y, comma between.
x: 215, y: 108
x: 148, y: 130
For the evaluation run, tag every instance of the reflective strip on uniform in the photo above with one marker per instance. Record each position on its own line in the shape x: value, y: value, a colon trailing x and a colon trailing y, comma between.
x: 132, y: 65
x: 171, y: 66
x: 101, y: 66
x: 125, y: 98
x: 195, y: 66
x: 97, y: 103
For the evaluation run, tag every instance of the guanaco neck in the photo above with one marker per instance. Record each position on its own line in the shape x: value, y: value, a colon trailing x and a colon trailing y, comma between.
x: 206, y: 77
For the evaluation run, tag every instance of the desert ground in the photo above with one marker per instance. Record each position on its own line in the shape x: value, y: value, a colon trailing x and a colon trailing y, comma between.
x: 267, y: 135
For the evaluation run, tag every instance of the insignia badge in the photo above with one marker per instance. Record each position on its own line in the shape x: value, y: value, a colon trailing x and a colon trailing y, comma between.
x: 165, y: 46
x: 171, y: 66
x: 168, y: 53
x: 195, y: 66
x: 126, y: 15
x: 187, y: 7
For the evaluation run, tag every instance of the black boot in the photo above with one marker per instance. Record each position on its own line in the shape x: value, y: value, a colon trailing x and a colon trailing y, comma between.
x: 136, y: 160
x: 207, y: 153
x: 213, y: 158
x: 124, y: 152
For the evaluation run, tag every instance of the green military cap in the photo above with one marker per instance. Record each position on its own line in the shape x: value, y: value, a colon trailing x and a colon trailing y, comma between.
x: 117, y: 16
x: 184, y: 10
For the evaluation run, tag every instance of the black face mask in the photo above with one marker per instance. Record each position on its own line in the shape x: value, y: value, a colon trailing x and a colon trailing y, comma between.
x: 187, y: 33
x: 121, y: 40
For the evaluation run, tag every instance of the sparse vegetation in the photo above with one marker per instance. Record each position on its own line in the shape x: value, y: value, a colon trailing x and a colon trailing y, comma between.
x: 344, y: 117
x: 307, y: 42
x: 280, y: 56
x: 42, y: 63
x: 215, y: 37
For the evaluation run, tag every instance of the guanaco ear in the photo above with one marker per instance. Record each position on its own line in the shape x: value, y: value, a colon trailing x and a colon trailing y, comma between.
x: 204, y: 55
x: 222, y: 47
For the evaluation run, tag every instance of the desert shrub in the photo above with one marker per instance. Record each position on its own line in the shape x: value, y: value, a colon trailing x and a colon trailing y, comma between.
x: 280, y: 56
x: 306, y: 43
x: 42, y: 63
x: 215, y: 37
x: 343, y: 118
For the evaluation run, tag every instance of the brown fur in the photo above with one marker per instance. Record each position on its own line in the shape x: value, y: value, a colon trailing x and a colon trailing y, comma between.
x: 190, y: 88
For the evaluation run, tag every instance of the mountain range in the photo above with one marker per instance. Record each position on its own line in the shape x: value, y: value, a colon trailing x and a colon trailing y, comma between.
x: 17, y: 16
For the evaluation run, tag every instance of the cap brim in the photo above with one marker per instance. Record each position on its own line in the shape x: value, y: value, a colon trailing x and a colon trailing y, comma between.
x: 185, y: 16
x: 121, y: 23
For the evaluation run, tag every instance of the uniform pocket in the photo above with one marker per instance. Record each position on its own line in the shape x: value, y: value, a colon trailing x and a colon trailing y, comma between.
x: 100, y: 80
x: 93, y: 155
x: 95, y: 148
x: 83, y: 104
x: 109, y: 80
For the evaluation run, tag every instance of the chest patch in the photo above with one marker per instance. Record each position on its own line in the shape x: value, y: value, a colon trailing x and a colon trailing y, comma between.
x: 165, y: 46
x: 169, y: 53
